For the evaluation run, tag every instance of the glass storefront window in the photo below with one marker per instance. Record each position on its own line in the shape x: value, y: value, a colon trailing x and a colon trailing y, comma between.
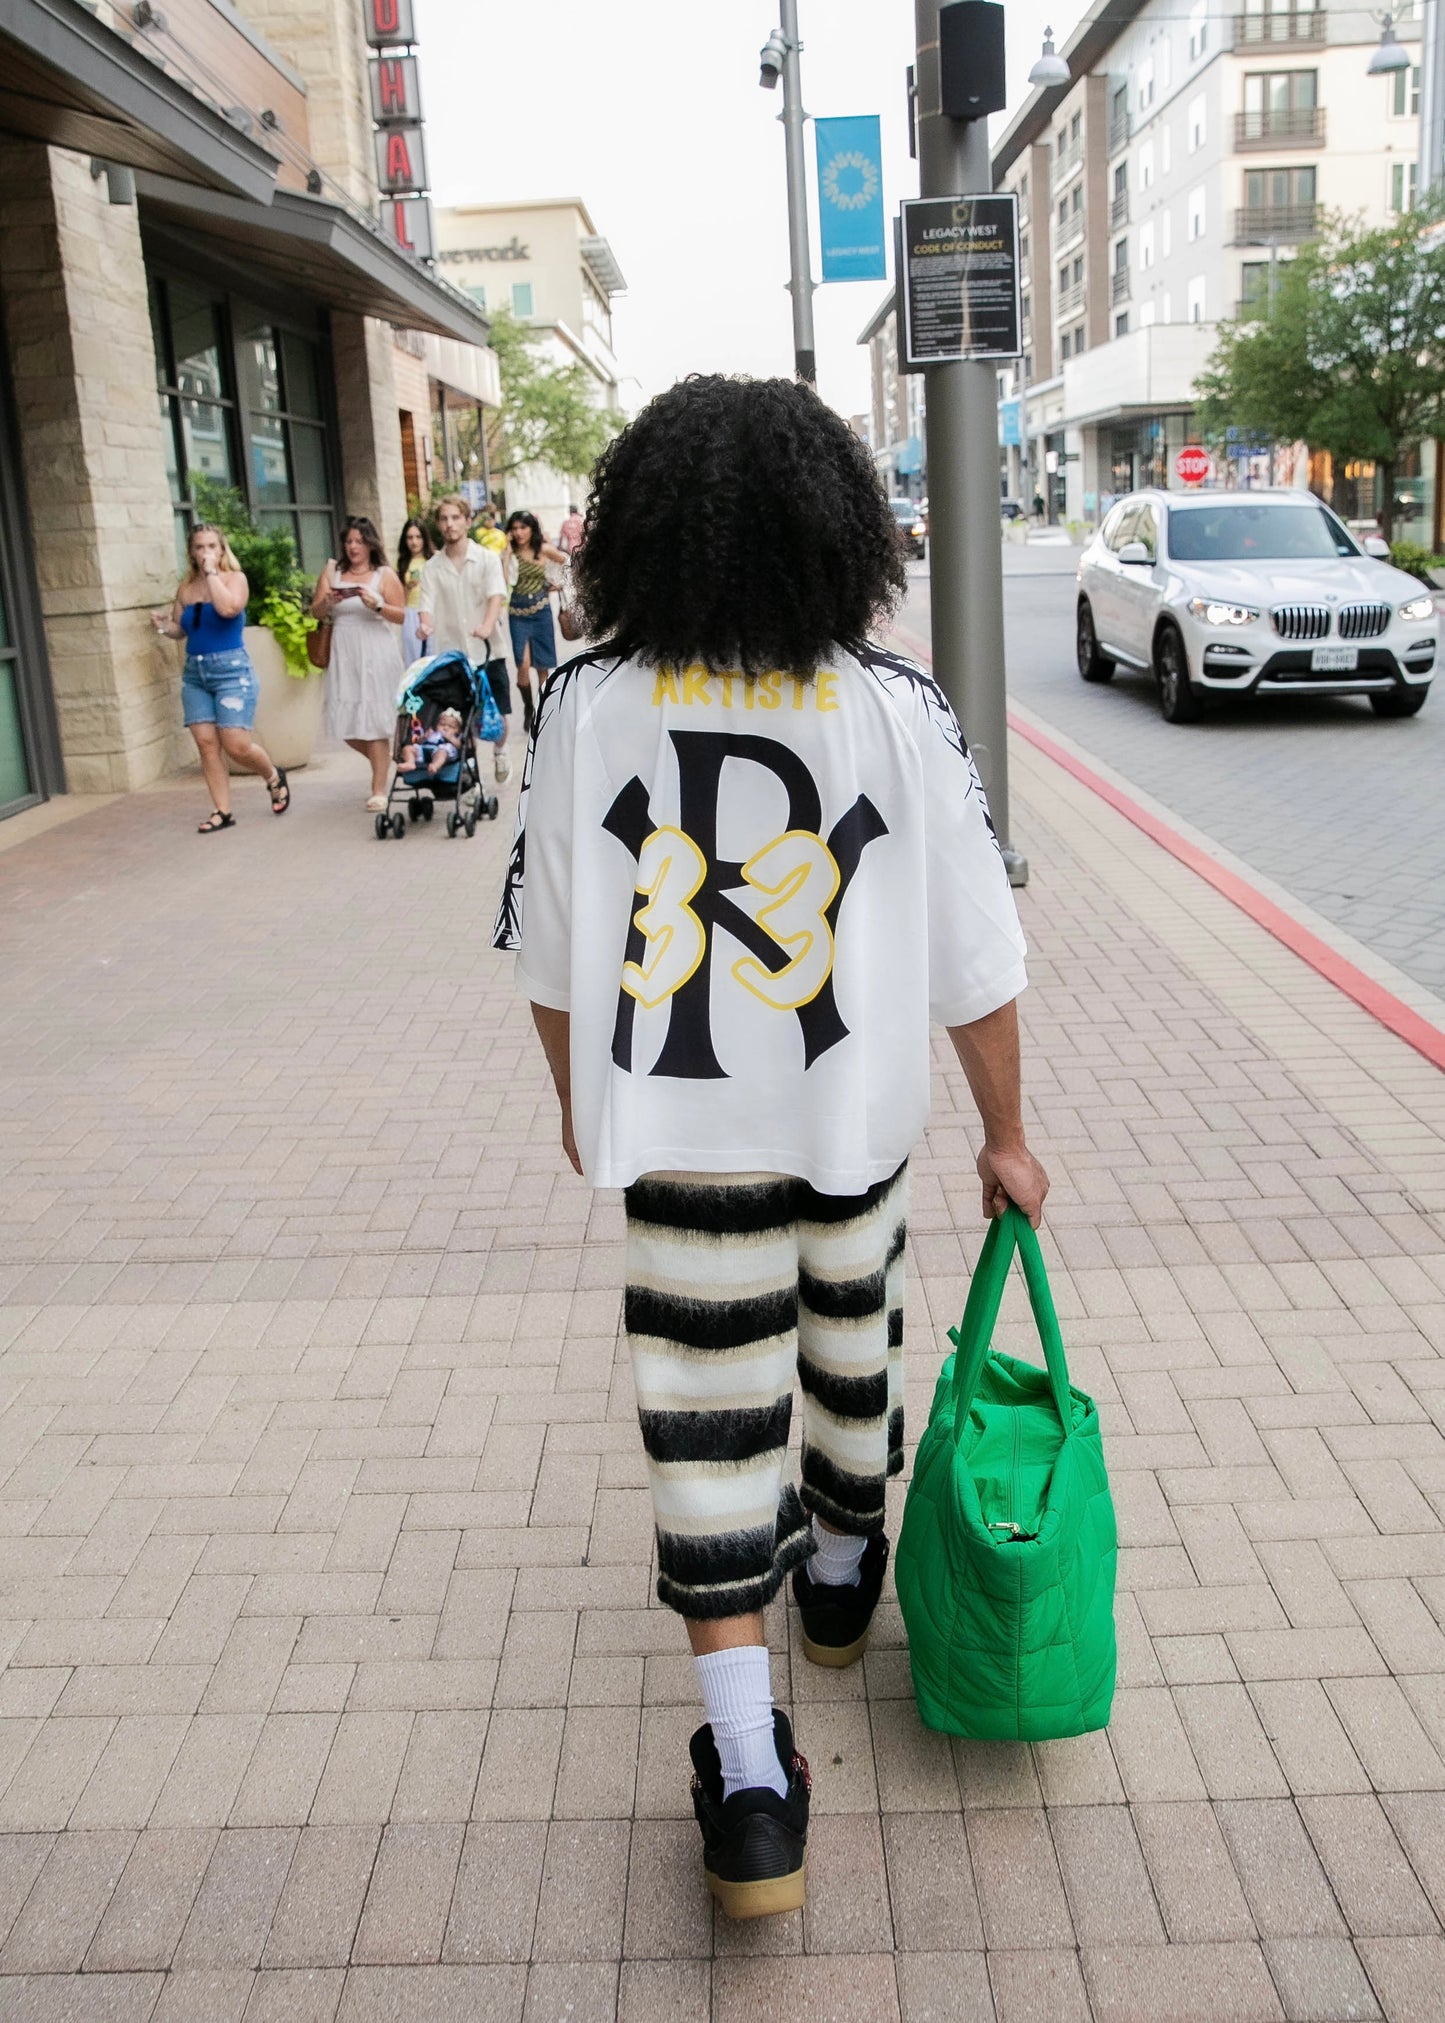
x: 14, y: 772
x: 242, y: 402
x: 281, y: 391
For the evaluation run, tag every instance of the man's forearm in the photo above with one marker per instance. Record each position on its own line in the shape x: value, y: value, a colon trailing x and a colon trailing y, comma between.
x: 988, y: 1050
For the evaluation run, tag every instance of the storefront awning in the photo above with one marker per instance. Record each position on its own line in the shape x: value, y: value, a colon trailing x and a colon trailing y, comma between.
x: 69, y: 79
x: 321, y: 251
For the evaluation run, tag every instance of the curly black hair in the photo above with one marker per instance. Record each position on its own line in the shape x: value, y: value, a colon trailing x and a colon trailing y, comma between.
x: 738, y: 523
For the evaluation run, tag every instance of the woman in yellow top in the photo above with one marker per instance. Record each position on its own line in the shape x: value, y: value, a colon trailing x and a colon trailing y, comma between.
x: 529, y: 611
x: 411, y: 558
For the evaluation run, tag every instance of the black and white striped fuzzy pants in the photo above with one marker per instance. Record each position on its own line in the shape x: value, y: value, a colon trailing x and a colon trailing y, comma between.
x: 735, y: 1285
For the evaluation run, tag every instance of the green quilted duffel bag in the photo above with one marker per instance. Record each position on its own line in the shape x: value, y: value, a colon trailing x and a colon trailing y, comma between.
x: 1005, y: 1565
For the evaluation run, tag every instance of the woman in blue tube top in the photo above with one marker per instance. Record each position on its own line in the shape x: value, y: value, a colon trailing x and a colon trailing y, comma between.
x: 218, y: 689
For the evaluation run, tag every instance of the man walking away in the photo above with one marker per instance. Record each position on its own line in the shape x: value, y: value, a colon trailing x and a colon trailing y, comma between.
x: 757, y: 861
x: 569, y: 539
x: 462, y: 590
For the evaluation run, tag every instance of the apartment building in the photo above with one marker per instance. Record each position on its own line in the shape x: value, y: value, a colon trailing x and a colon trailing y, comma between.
x: 1193, y: 150
x: 548, y: 265
x: 896, y: 411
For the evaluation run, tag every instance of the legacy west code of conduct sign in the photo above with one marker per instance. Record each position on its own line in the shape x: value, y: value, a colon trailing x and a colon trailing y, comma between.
x: 959, y: 279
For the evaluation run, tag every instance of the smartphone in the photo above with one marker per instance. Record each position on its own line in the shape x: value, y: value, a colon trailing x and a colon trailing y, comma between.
x: 347, y: 590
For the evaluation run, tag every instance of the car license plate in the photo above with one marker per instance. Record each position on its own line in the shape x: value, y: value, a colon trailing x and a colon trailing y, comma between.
x: 1334, y: 659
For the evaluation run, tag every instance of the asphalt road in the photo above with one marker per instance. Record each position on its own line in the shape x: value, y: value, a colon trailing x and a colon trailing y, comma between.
x: 1341, y: 808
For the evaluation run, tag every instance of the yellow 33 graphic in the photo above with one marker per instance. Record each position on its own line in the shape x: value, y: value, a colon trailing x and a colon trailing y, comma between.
x: 670, y: 871
x: 798, y: 878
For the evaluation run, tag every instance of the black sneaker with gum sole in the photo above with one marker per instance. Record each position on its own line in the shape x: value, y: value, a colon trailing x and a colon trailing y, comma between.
x: 754, y: 1844
x: 836, y: 1620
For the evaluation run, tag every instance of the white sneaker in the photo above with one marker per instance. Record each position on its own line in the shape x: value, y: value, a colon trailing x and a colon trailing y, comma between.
x: 501, y: 767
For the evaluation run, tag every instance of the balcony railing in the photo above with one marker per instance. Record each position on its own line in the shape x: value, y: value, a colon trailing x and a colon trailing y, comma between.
x: 1069, y: 233
x: 1118, y: 133
x: 1119, y: 210
x: 1298, y: 126
x: 1280, y: 31
x: 1070, y: 301
x: 1119, y: 285
x: 1257, y: 224
x: 1067, y: 160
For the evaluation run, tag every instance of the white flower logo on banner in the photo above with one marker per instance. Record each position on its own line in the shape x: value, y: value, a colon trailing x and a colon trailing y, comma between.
x: 839, y: 186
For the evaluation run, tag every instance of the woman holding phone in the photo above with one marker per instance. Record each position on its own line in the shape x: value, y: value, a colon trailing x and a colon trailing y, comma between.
x: 363, y: 598
x: 218, y: 688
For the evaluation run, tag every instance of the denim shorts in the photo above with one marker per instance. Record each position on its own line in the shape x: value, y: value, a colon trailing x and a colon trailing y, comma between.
x: 220, y: 688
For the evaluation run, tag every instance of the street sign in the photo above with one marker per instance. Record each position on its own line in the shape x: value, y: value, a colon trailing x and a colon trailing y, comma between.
x: 1193, y: 464
x: 400, y: 160
x: 959, y: 279
x: 395, y: 90
x: 387, y: 22
x: 850, y: 199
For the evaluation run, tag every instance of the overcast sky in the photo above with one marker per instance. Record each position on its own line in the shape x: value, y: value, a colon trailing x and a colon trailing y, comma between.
x: 653, y: 115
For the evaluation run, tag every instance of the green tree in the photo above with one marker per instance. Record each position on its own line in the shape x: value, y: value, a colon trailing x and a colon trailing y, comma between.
x: 1350, y: 356
x: 546, y: 416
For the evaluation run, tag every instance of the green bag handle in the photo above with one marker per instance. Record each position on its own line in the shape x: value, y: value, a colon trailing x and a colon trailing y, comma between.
x: 974, y: 1332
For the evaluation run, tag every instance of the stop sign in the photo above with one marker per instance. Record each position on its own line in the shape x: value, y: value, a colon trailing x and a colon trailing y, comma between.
x: 1193, y: 464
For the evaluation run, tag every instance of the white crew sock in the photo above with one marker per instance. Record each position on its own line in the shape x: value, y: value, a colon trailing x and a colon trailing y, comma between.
x: 737, y: 1691
x: 838, y: 1560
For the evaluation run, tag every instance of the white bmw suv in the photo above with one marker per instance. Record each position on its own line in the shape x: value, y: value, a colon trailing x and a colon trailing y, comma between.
x: 1250, y: 593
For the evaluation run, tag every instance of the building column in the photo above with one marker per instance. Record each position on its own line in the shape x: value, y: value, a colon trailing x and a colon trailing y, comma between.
x: 372, y: 472
x: 78, y: 330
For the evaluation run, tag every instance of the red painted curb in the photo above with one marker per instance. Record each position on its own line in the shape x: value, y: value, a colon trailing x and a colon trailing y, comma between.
x: 1381, y: 1004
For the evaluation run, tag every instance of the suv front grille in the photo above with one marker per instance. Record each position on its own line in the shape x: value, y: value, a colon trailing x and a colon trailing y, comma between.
x: 1363, y: 621
x: 1301, y: 621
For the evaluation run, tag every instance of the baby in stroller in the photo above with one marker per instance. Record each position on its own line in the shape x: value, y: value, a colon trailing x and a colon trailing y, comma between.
x: 444, y: 712
x: 435, y: 749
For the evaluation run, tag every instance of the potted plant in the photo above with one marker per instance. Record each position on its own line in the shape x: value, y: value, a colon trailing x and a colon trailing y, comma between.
x: 288, y: 706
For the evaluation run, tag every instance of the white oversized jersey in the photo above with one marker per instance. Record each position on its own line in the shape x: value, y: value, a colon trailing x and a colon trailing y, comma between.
x: 751, y: 897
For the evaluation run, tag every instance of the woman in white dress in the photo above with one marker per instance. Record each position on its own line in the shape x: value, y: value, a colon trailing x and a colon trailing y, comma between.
x: 363, y: 601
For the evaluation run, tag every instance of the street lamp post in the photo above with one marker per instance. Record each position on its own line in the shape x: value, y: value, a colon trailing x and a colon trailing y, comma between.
x: 780, y: 58
x: 965, y: 544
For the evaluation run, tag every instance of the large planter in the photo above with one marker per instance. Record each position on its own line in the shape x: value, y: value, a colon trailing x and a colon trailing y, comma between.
x: 288, y: 707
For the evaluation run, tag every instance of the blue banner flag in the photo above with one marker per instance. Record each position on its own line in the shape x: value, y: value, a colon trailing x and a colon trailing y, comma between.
x: 850, y: 199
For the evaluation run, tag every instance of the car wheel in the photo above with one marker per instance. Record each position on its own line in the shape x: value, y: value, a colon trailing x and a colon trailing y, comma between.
x: 1399, y: 702
x: 1093, y: 665
x: 1179, y: 700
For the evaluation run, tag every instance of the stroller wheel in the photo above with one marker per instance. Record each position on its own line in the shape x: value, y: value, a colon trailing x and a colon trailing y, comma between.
x: 491, y: 804
x: 414, y: 808
x: 428, y: 809
x: 452, y: 823
x: 383, y: 828
x: 472, y: 824
x: 398, y: 826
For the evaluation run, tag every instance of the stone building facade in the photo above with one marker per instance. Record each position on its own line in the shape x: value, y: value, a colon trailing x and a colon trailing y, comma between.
x: 188, y: 287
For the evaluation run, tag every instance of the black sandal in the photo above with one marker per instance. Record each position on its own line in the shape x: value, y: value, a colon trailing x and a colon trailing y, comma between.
x: 214, y: 821
x: 280, y: 791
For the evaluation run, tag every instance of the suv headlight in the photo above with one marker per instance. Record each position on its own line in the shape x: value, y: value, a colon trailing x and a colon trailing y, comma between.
x: 1214, y: 613
x: 1419, y: 607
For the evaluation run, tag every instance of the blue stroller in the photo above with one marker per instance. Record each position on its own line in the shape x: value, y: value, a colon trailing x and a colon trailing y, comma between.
x: 442, y: 682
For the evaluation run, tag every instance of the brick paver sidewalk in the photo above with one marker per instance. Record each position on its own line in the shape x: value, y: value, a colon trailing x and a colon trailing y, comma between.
x: 333, y: 1682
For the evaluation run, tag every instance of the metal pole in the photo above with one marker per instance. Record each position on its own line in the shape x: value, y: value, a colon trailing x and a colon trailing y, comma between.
x: 965, y: 545
x: 800, y: 286
x: 1432, y: 90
